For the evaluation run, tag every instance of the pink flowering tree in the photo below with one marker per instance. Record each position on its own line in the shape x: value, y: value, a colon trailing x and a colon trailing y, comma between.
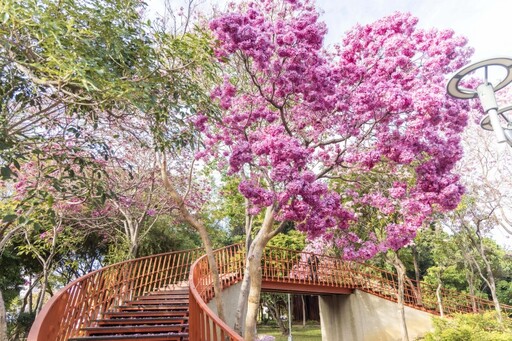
x: 37, y: 210
x: 136, y: 198
x: 309, y: 130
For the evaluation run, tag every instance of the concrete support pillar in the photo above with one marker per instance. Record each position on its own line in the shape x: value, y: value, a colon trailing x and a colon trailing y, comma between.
x: 364, y: 317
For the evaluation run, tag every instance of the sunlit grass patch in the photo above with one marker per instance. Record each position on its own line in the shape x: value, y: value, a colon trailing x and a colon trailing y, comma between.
x: 299, y: 333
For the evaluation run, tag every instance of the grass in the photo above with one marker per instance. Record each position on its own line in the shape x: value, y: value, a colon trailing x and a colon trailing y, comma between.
x: 308, y: 333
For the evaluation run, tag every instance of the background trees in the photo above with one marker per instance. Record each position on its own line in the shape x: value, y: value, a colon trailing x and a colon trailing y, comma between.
x: 84, y: 84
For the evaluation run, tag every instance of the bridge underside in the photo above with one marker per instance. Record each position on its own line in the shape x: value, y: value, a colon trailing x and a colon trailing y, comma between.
x: 302, y: 288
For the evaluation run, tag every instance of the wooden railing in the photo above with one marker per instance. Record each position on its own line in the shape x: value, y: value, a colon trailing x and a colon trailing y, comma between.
x: 204, y: 324
x: 82, y: 301
x: 304, y: 271
x: 307, y: 269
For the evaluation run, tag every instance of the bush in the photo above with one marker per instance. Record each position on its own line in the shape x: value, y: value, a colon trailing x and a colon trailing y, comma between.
x: 470, y: 327
x: 19, y: 325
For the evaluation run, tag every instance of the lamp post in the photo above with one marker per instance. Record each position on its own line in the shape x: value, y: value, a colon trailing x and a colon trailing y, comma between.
x: 496, y: 119
x: 290, y: 337
x: 505, y: 122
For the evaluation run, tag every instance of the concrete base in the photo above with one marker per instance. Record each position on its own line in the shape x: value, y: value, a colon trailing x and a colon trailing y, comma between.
x: 230, y: 297
x: 364, y: 317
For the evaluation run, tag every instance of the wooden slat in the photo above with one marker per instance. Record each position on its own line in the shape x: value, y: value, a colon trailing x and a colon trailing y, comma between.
x: 144, y: 288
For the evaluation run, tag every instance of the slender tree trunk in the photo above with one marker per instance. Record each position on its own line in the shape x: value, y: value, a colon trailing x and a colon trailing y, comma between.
x: 203, y: 233
x: 30, y: 302
x: 134, y: 249
x: 3, y: 319
x: 438, y: 294
x: 27, y: 299
x: 492, y: 287
x: 417, y: 274
x: 44, y: 283
x: 134, y: 239
x: 255, y: 255
x: 489, y: 279
x: 275, y: 311
x: 471, y: 283
x: 400, y: 269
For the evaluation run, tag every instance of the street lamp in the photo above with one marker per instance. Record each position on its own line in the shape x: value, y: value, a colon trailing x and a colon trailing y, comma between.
x: 505, y: 122
x: 495, y: 119
x: 290, y: 337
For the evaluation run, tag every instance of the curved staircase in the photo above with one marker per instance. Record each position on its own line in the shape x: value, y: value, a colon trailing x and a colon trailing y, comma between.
x: 164, y: 297
x: 160, y: 315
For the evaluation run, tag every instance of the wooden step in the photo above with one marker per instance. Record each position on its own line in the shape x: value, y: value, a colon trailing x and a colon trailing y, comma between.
x: 153, y: 308
x: 160, y: 302
x: 147, y: 320
x: 169, y: 292
x: 136, y: 329
x: 137, y: 314
x: 155, y: 337
x: 161, y: 297
x: 156, y: 316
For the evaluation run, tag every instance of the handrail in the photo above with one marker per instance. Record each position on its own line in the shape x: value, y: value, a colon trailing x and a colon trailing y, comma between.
x: 305, y: 268
x: 204, y: 324
x: 296, y: 268
x: 82, y: 301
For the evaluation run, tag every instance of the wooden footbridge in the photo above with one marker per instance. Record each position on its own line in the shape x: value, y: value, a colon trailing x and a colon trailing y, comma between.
x: 164, y: 297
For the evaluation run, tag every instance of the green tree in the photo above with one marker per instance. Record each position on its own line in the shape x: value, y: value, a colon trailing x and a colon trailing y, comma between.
x: 70, y: 70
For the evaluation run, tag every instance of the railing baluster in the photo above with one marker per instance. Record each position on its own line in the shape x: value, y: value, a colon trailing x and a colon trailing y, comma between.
x: 85, y: 299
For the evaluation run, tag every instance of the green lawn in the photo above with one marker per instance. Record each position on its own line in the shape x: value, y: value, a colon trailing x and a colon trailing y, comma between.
x: 309, y: 333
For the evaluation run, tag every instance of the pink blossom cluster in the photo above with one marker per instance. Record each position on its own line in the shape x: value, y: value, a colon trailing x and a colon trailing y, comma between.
x: 296, y: 115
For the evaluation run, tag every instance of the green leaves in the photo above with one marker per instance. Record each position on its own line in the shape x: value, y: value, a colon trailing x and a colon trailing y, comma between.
x: 5, y: 172
x: 9, y: 218
x: 4, y: 17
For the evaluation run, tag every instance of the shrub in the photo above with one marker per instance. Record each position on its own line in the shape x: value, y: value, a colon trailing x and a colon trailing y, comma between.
x: 470, y: 327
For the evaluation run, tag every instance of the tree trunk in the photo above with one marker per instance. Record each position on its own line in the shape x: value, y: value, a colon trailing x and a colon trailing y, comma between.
x: 417, y: 274
x: 255, y: 254
x: 242, y: 299
x: 492, y: 287
x: 489, y: 279
x: 244, y: 289
x: 134, y: 239
x: 253, y: 298
x: 471, y: 283
x: 275, y: 312
x: 438, y: 294
x: 44, y: 283
x: 203, y: 233
x: 134, y: 249
x: 3, y: 319
x: 400, y: 269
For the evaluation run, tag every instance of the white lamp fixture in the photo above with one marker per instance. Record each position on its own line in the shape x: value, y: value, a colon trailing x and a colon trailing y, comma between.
x: 485, y: 91
x: 505, y: 121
